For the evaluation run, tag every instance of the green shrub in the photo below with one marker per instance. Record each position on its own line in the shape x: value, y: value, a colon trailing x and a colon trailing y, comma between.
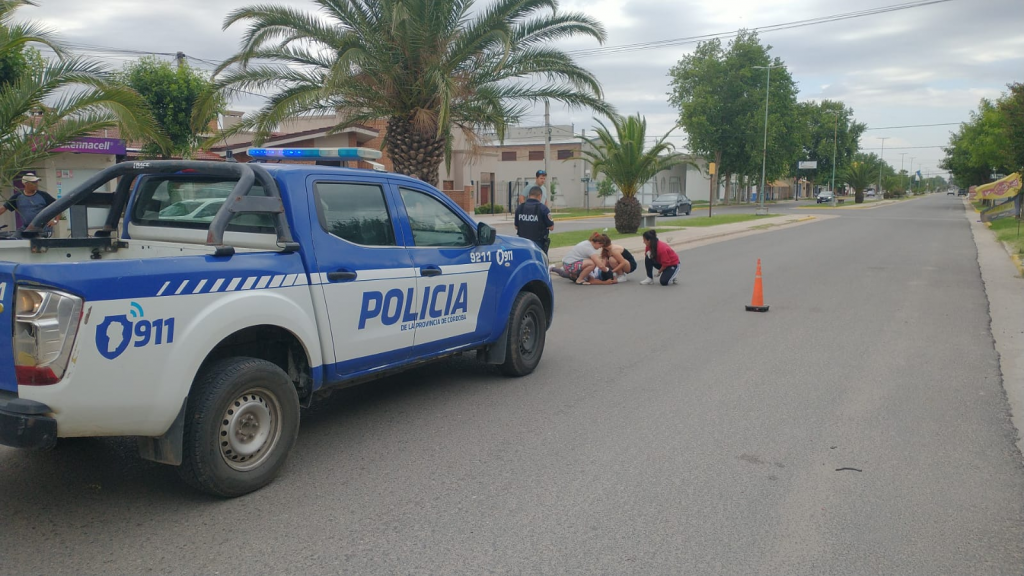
x: 486, y: 209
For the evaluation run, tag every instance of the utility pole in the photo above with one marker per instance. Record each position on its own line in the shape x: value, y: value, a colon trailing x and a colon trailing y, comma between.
x: 835, y: 148
x: 180, y: 57
x: 764, y: 156
x: 547, y: 139
x: 878, y: 192
x: 902, y: 154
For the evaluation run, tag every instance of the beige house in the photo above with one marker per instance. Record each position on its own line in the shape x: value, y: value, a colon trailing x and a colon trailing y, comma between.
x: 511, y: 166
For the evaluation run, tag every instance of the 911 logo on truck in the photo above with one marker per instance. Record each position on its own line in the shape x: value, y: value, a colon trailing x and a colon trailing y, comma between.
x: 115, y: 333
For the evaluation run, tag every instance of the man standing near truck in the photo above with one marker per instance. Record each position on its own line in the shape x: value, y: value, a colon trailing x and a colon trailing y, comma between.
x: 29, y: 203
x: 533, y: 219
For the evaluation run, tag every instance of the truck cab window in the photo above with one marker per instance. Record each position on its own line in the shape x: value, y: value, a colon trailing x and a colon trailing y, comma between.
x: 357, y: 213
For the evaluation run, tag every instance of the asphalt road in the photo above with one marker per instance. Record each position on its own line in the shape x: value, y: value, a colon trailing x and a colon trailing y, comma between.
x: 666, y: 431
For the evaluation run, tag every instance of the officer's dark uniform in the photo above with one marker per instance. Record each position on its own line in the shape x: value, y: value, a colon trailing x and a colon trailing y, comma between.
x: 532, y: 221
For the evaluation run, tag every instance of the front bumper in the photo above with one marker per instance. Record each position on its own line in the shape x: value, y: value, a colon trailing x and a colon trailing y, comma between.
x: 24, y: 424
x: 662, y: 211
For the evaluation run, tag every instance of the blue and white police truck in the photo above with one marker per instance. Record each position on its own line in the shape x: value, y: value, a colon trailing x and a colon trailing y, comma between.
x: 212, y: 300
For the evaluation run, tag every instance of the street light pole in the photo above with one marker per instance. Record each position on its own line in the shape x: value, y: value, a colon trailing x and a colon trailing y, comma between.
x: 764, y: 156
x: 881, y: 159
x: 902, y: 154
x: 835, y: 147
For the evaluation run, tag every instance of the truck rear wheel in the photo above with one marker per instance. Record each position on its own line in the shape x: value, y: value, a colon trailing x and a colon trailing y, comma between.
x: 241, y: 421
x: 527, y: 329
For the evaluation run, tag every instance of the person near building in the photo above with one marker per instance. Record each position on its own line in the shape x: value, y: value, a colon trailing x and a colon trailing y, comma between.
x: 660, y: 256
x: 533, y: 220
x: 28, y: 203
x: 542, y: 178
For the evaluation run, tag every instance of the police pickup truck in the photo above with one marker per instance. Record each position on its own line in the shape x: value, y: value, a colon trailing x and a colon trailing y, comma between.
x: 215, y: 299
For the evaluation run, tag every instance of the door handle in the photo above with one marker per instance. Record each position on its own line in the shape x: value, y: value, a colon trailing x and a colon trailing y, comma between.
x: 430, y: 271
x: 341, y: 276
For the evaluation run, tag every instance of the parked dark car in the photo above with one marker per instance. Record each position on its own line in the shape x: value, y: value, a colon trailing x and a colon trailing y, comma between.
x: 962, y: 192
x: 825, y: 196
x: 671, y: 205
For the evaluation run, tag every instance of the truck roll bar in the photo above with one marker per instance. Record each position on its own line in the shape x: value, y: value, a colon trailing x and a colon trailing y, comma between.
x: 238, y: 202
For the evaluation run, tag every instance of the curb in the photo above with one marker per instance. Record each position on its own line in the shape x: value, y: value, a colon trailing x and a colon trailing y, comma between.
x: 734, y: 232
x: 557, y: 220
x: 1016, y: 260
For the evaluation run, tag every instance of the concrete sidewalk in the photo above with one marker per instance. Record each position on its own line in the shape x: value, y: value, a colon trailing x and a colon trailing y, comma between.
x: 698, y: 236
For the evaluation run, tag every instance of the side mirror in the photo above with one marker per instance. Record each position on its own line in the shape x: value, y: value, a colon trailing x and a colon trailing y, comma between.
x: 485, y: 235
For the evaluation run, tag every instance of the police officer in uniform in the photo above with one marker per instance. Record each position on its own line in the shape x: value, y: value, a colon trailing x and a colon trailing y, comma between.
x: 533, y: 219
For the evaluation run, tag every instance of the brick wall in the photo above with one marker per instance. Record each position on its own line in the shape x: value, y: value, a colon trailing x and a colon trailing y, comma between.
x: 464, y: 198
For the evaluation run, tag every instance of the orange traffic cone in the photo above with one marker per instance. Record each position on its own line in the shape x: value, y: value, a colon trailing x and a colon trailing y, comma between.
x: 757, y: 301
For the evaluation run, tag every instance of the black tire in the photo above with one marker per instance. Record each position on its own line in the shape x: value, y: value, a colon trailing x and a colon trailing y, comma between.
x: 675, y: 212
x: 688, y: 210
x: 527, y: 330
x: 260, y: 393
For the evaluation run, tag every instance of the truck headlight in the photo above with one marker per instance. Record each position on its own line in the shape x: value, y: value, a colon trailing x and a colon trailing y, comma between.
x: 45, y: 326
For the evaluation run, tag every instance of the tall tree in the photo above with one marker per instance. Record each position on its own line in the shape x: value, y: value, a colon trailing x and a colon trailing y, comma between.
x: 831, y: 132
x: 172, y: 93
x: 427, y: 67
x: 1011, y: 109
x: 979, y: 147
x: 628, y: 162
x: 720, y: 94
x: 44, y: 108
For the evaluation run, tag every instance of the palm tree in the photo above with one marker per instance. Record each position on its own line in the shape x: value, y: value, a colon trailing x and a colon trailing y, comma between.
x: 628, y: 163
x: 47, y: 107
x: 426, y: 67
x: 860, y: 175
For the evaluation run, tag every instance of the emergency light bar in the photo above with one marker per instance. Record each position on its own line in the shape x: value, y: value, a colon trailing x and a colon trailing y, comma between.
x: 347, y: 154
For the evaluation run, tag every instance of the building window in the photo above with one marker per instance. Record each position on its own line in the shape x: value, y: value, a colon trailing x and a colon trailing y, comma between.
x: 536, y: 155
x: 508, y: 156
x: 565, y: 154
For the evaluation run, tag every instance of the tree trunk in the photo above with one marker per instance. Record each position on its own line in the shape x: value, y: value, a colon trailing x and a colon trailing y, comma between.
x: 728, y: 187
x: 627, y: 215
x: 858, y: 197
x: 414, y: 152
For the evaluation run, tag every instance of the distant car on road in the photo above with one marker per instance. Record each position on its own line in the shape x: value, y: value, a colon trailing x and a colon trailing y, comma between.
x: 950, y: 192
x: 962, y: 192
x: 825, y: 196
x: 671, y: 205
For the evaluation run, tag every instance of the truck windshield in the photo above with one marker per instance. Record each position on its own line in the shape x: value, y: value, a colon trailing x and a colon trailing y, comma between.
x: 192, y: 201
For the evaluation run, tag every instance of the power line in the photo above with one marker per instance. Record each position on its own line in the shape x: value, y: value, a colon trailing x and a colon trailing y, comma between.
x: 906, y: 147
x: 913, y: 126
x: 769, y: 28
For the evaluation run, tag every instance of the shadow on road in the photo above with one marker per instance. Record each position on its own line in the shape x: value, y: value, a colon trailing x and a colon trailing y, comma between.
x: 108, y: 472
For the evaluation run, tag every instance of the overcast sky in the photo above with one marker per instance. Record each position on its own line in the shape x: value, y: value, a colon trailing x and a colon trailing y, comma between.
x: 924, y: 65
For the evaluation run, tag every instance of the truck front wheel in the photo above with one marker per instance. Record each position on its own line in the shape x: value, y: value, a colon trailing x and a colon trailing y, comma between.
x: 527, y: 328
x: 241, y: 421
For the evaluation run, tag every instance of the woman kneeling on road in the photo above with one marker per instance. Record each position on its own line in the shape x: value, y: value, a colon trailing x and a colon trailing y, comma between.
x: 614, y: 260
x: 579, y: 262
x: 662, y: 257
